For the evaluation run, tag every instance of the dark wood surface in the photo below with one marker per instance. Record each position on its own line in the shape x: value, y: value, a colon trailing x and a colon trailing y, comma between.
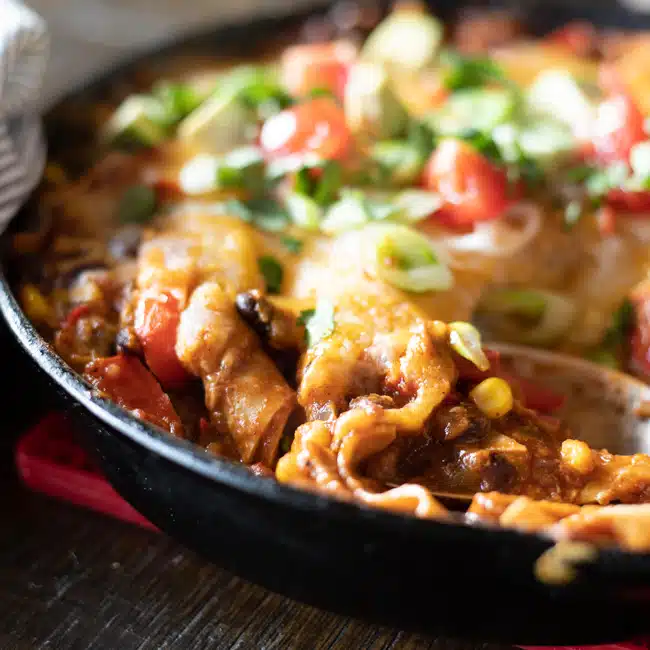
x: 72, y: 579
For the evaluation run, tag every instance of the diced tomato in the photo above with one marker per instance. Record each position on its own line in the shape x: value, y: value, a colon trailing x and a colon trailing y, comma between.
x: 317, y: 65
x: 606, y: 219
x: 124, y: 380
x: 472, y: 188
x: 632, y: 202
x: 156, y: 324
x: 317, y: 126
x: 618, y: 127
x: 75, y: 314
x: 578, y: 37
x: 534, y: 396
x: 167, y: 189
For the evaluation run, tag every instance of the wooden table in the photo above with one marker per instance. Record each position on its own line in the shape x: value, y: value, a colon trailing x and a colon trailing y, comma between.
x: 75, y: 580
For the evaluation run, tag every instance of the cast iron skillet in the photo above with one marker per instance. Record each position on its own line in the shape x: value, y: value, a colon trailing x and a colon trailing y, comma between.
x: 441, y: 578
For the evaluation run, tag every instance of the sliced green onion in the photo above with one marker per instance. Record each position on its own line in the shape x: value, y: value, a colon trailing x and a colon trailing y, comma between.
x: 573, y: 213
x: 533, y: 317
x: 402, y: 160
x: 349, y: 212
x: 199, y: 175
x: 407, y: 260
x: 272, y: 271
x: 479, y: 109
x: 530, y: 304
x: 241, y: 169
x: 303, y: 211
x: 177, y: 100
x: 465, y: 339
x: 140, y: 120
x: 415, y: 205
x: 137, y: 204
x: 319, y: 323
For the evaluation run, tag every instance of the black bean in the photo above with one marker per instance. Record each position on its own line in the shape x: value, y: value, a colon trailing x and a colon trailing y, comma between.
x: 127, y: 342
x: 256, y: 312
x: 497, y: 474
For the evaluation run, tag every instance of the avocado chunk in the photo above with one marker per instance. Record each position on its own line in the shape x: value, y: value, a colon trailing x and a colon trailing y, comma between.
x: 370, y: 103
x: 409, y: 38
x: 139, y: 120
x: 219, y: 124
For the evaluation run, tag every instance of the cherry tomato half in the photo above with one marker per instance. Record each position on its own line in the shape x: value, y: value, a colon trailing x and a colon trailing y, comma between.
x: 472, y: 188
x: 317, y: 126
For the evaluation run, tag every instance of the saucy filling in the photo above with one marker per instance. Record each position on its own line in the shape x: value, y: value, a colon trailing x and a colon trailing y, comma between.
x: 282, y: 262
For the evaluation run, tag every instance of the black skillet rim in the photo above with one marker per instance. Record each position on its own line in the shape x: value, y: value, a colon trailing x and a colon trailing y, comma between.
x: 612, y: 563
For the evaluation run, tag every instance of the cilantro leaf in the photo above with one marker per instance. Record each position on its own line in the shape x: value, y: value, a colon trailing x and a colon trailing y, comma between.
x: 265, y: 214
x: 470, y: 71
x: 272, y: 271
x: 319, y: 323
x: 292, y: 244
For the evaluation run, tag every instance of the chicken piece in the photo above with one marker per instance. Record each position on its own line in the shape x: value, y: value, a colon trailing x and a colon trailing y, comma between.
x: 245, y: 394
x: 625, y: 525
x: 492, y: 506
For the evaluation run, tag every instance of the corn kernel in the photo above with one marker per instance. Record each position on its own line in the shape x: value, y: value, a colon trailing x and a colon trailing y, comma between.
x: 35, y: 304
x: 286, y: 470
x: 577, y: 455
x: 493, y: 396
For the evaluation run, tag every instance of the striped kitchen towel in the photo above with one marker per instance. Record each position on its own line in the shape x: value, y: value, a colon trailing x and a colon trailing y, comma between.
x: 24, y: 48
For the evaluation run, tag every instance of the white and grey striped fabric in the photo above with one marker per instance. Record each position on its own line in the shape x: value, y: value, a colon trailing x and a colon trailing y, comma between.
x: 24, y: 48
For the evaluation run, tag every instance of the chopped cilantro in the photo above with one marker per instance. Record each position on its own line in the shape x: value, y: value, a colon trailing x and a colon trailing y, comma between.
x: 322, y: 186
x: 470, y: 71
x: 265, y: 214
x: 319, y: 323
x: 285, y: 443
x: 621, y: 325
x: 272, y: 271
x: 292, y: 244
x: 177, y: 100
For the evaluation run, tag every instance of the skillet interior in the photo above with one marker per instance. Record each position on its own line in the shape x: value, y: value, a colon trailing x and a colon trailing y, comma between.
x: 354, y: 560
